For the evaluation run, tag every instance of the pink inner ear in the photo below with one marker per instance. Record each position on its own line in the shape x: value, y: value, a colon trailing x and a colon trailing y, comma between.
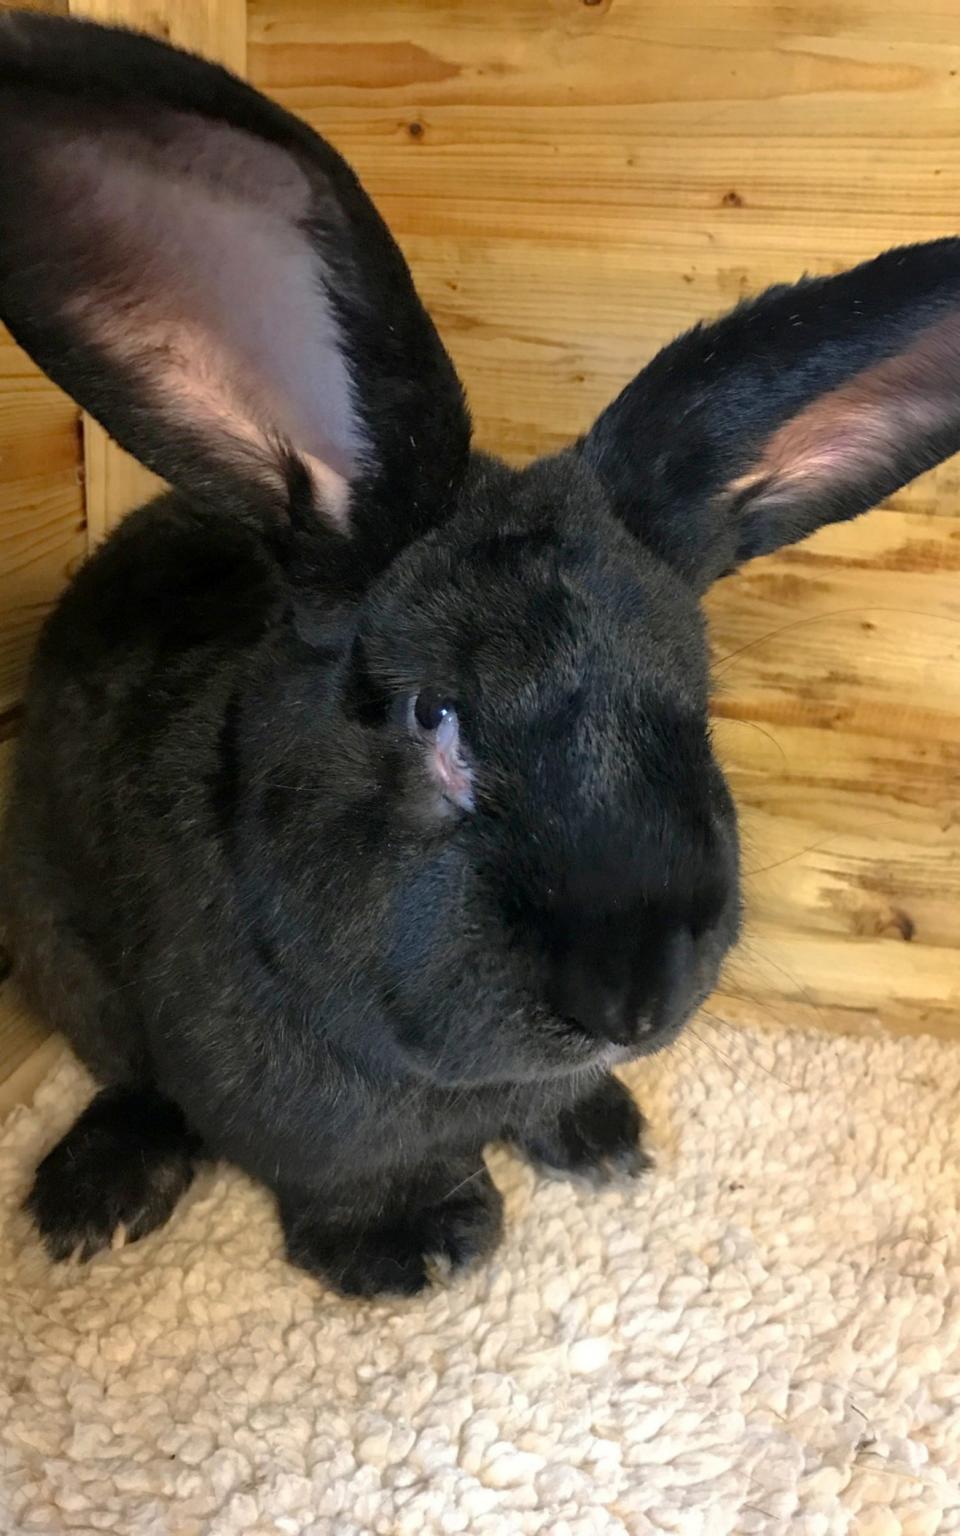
x: 867, y: 424
x: 212, y: 293
x: 197, y: 392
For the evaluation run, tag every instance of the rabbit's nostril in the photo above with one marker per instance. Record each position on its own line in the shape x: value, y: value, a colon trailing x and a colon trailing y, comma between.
x: 614, y: 1018
x: 623, y: 983
x: 596, y: 1007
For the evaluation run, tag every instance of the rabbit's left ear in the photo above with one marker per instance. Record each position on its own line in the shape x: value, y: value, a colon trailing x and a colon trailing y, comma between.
x: 803, y: 407
x: 206, y: 277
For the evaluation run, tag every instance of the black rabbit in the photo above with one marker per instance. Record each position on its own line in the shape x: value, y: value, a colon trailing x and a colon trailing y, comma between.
x: 365, y: 810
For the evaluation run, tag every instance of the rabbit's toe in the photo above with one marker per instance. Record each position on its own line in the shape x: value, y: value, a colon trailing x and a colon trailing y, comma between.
x: 601, y: 1134
x: 402, y: 1257
x: 123, y: 1164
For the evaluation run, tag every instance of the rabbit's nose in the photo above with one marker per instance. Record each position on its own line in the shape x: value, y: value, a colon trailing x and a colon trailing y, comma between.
x: 602, y: 1006
x: 625, y: 998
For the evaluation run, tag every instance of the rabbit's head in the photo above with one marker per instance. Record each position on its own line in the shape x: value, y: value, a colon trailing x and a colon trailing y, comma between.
x: 513, y: 798
x: 575, y: 863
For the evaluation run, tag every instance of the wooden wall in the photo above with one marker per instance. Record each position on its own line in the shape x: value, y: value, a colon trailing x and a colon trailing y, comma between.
x: 42, y: 525
x: 573, y: 183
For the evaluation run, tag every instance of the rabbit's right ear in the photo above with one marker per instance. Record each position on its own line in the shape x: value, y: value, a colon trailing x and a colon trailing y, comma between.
x: 206, y: 277
x: 804, y: 406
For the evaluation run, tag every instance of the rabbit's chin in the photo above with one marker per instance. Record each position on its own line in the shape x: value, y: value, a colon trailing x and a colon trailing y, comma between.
x: 569, y: 1053
x: 615, y: 1055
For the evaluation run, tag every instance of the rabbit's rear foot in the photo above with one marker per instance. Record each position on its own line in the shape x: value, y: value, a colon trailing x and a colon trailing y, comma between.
x: 125, y: 1162
x: 399, y: 1256
x: 601, y: 1134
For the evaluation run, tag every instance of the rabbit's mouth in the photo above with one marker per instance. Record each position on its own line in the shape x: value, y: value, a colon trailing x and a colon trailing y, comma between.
x: 645, y: 1040
x: 534, y: 1043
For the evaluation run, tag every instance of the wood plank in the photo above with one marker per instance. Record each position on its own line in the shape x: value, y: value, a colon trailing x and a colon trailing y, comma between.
x: 42, y: 532
x: 21, y: 1034
x: 52, y: 7
x: 215, y: 28
x: 115, y: 482
x: 573, y: 184
x: 19, y: 1087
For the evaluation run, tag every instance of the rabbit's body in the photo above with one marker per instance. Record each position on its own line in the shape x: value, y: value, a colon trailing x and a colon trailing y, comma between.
x: 152, y: 713
x: 167, y: 700
x: 365, y: 811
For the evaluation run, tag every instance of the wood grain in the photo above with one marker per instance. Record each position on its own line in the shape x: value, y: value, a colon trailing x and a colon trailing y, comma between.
x: 215, y: 28
x: 42, y: 532
x: 20, y: 1033
x: 574, y: 183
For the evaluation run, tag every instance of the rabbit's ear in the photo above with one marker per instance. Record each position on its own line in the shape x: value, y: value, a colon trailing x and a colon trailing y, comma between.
x: 207, y: 278
x: 802, y: 407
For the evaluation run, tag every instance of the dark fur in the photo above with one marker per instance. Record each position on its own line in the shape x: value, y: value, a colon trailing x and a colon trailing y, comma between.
x: 227, y: 877
x: 125, y: 1162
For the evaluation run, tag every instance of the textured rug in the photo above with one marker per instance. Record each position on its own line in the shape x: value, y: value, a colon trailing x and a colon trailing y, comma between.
x: 763, y: 1335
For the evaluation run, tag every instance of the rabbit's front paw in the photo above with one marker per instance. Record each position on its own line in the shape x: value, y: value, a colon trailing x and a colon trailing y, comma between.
x: 399, y: 1257
x: 599, y: 1134
x: 123, y: 1164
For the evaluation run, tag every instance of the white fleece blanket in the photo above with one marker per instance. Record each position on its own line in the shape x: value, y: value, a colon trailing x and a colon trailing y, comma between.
x: 761, y: 1336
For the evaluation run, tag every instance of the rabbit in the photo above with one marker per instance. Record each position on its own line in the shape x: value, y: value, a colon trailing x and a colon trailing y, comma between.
x: 365, y: 811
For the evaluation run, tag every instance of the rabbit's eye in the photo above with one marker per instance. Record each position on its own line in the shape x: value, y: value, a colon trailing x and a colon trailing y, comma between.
x: 433, y: 716
x: 431, y: 709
